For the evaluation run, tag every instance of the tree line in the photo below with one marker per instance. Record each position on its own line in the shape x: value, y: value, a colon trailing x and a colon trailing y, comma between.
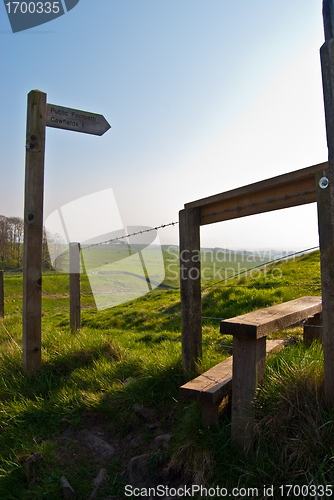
x: 11, y: 244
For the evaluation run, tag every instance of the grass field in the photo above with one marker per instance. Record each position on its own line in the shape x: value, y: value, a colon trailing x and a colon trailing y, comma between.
x: 119, y: 377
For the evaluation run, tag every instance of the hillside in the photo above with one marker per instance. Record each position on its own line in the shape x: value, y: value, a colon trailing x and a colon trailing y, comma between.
x: 118, y: 380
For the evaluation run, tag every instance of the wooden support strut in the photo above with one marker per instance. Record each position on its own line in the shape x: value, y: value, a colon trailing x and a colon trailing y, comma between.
x: 190, y: 284
x: 33, y: 232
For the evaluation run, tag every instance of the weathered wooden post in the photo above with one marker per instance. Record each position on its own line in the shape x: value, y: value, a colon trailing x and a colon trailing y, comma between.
x: 190, y: 284
x: 2, y: 296
x: 41, y: 115
x: 325, y: 198
x: 33, y: 231
x: 75, y: 307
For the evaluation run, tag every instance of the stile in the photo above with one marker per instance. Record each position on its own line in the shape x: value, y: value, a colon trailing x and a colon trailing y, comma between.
x: 75, y: 306
x: 2, y: 296
x: 33, y: 232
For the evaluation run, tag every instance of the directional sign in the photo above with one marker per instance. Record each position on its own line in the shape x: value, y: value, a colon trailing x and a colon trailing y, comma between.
x: 75, y: 119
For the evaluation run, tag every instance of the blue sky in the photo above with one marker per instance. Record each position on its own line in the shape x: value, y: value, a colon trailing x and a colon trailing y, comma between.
x: 203, y: 96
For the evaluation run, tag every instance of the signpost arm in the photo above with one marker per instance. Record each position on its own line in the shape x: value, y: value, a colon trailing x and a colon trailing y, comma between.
x: 325, y: 199
x: 33, y: 231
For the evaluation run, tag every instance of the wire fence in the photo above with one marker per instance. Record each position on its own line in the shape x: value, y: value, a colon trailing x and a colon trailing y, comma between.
x: 146, y: 314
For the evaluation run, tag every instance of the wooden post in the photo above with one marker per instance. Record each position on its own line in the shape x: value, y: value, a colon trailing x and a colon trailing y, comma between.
x: 249, y: 366
x: 2, y: 296
x: 33, y: 232
x: 325, y: 198
x: 190, y: 284
x: 75, y: 308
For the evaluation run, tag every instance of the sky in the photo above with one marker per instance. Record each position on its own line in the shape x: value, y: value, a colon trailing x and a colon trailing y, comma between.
x: 202, y: 96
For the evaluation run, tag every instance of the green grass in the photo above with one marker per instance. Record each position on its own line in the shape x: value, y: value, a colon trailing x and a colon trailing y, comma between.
x: 130, y: 357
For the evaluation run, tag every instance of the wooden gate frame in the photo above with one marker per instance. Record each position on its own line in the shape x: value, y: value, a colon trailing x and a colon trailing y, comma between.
x: 284, y: 191
x: 289, y: 190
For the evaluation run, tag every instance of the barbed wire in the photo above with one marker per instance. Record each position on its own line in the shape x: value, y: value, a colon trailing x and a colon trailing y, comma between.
x: 130, y: 235
x: 261, y: 265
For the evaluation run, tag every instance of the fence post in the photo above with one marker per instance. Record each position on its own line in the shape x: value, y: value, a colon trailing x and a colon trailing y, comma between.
x: 33, y: 232
x: 190, y: 284
x: 75, y: 307
x: 2, y: 296
x: 325, y: 199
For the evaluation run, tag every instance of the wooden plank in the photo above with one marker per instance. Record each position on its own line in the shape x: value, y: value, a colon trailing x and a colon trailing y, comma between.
x: 2, y: 296
x: 201, y: 388
x: 325, y: 199
x: 249, y: 365
x: 190, y: 285
x: 260, y: 323
x: 283, y: 191
x: 75, y: 306
x: 214, y: 384
x: 33, y: 232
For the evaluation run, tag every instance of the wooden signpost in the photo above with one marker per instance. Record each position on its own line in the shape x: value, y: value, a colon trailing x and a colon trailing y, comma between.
x: 39, y: 115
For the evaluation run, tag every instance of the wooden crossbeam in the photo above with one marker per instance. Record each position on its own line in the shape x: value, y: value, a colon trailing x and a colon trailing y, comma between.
x: 283, y: 191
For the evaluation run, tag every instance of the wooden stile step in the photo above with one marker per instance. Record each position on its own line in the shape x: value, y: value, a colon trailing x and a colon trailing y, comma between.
x: 212, y: 386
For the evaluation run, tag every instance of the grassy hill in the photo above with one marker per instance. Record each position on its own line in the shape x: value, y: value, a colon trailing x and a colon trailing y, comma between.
x: 119, y: 377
